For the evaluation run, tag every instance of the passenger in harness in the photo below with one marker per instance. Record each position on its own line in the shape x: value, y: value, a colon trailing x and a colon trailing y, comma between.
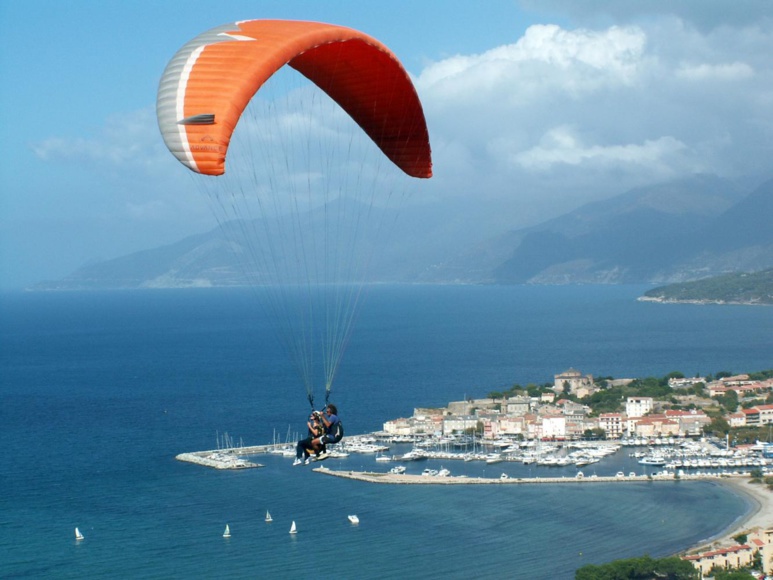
x: 334, y: 431
x: 305, y: 447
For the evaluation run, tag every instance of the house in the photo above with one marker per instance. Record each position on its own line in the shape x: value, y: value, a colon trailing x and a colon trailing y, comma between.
x: 732, y: 557
x: 655, y: 426
x: 638, y: 406
x: 399, y: 427
x: 766, y: 414
x: 752, y: 416
x: 613, y: 424
x: 553, y: 427
x: 758, y: 542
x: 504, y: 425
x: 570, y: 381
x: 685, y: 382
x: 690, y: 422
x: 737, y: 419
x: 459, y: 424
x: 517, y: 406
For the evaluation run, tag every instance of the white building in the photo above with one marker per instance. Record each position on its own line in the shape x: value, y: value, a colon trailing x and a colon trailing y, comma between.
x: 554, y: 427
x: 638, y: 406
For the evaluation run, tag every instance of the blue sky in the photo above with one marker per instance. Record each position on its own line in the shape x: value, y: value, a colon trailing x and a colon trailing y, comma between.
x: 533, y: 107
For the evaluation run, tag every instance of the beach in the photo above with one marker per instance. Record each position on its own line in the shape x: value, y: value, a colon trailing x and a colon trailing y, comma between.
x: 759, y: 517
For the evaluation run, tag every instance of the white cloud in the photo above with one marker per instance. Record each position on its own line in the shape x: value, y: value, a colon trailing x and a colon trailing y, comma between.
x: 721, y: 72
x: 126, y: 140
x: 593, y: 112
x: 546, y: 58
x: 561, y: 146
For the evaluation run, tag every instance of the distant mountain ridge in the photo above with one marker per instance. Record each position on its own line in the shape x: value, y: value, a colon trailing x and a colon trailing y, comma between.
x: 672, y: 232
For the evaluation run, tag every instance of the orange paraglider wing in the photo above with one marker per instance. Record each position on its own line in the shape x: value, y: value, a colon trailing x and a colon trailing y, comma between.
x: 211, y: 79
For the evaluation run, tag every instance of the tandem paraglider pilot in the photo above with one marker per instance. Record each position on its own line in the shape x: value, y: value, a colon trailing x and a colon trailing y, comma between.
x: 324, y: 428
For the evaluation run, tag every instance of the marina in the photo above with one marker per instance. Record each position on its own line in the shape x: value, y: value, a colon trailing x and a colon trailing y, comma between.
x: 419, y: 460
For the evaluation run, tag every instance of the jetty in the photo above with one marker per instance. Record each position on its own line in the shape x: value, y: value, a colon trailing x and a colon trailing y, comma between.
x: 229, y: 458
x: 409, y: 479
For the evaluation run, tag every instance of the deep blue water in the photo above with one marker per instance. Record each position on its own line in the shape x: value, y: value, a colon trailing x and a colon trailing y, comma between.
x: 99, y: 392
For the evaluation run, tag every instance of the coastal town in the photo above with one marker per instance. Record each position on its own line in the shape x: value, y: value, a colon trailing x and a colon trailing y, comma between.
x: 671, y: 428
x: 565, y: 410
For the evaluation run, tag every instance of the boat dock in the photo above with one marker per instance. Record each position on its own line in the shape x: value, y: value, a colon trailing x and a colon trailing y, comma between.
x: 406, y: 479
x: 230, y: 458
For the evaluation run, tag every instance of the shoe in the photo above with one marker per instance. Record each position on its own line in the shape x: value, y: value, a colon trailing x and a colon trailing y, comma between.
x: 308, y: 460
x: 323, y: 455
x: 297, y: 461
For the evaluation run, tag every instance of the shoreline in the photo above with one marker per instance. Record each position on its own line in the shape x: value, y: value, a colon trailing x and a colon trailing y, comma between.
x: 759, y: 516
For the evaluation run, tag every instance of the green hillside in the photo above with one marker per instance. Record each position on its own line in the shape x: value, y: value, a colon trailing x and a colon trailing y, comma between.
x: 742, y: 288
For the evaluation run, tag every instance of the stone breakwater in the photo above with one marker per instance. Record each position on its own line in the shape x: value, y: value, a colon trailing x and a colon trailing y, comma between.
x: 217, y: 460
x: 406, y: 479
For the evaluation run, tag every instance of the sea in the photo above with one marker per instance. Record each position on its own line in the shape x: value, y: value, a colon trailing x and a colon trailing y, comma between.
x: 99, y: 391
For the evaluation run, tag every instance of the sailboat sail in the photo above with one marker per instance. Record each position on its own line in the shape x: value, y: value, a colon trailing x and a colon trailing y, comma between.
x: 227, y: 532
x: 268, y: 517
x: 78, y: 535
x: 293, y: 530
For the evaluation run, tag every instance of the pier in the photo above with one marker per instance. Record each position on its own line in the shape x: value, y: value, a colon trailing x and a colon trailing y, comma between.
x: 230, y: 458
x: 406, y: 479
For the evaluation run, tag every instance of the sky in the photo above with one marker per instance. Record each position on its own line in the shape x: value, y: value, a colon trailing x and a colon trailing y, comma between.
x: 534, y: 107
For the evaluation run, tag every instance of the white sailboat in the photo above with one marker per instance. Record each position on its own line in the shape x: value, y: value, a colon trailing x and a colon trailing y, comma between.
x: 78, y: 535
x: 227, y: 532
x: 268, y: 517
x: 354, y: 519
x: 293, y: 530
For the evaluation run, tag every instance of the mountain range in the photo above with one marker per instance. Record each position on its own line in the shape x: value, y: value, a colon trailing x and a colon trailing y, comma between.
x: 671, y: 232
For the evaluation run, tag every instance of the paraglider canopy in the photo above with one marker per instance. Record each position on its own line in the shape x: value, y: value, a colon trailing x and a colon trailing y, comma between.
x: 210, y: 81
x: 314, y: 172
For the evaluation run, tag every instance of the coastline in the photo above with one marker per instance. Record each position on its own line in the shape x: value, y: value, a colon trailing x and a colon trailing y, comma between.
x: 758, y: 517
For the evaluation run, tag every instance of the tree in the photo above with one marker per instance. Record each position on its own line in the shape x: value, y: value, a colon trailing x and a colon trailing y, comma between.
x: 644, y: 568
x: 722, y: 574
x: 595, y: 433
x: 533, y: 390
x: 718, y: 426
x: 729, y: 401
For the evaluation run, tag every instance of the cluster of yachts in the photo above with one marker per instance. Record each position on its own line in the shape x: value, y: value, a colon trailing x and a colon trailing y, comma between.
x: 348, y: 446
x: 527, y: 452
x: 691, y: 455
x: 669, y: 453
x: 545, y: 454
